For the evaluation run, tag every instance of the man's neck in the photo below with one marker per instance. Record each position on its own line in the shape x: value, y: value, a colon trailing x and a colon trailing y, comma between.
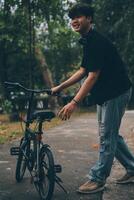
x: 86, y: 31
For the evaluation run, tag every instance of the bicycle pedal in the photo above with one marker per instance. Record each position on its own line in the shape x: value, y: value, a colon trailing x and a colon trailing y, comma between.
x: 57, y: 168
x: 14, y: 151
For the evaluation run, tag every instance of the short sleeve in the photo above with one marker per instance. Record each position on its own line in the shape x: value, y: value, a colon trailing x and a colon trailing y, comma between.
x: 93, y: 58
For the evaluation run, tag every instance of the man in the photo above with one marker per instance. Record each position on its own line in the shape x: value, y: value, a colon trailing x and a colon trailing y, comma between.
x: 110, y: 88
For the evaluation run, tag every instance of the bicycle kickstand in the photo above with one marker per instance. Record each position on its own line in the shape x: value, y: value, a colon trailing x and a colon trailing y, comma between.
x: 59, y: 181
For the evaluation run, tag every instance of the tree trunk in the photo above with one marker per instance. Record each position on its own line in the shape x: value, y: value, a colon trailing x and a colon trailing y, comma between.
x: 44, y: 68
x: 46, y: 74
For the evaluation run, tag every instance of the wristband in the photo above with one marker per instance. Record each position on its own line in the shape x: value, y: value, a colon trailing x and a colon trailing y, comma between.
x: 75, y: 101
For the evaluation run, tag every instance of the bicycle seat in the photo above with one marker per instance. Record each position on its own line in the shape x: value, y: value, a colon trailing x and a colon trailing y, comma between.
x: 43, y: 115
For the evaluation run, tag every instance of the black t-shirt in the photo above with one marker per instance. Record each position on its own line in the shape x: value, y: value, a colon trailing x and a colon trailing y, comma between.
x: 100, y: 54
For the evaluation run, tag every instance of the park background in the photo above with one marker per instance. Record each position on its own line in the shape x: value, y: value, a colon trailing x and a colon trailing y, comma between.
x: 39, y: 49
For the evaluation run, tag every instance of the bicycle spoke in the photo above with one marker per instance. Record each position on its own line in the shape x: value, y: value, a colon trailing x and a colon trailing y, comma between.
x: 46, y: 175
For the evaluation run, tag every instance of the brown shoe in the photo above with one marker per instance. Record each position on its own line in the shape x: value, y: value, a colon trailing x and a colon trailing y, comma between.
x: 127, y: 178
x: 91, y: 187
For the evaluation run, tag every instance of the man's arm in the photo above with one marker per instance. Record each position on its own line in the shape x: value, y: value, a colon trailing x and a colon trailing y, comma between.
x: 77, y: 76
x: 87, y: 85
x: 67, y: 110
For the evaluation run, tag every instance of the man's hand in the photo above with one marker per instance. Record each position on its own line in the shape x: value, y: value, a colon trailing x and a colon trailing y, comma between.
x: 67, y: 110
x: 56, y: 89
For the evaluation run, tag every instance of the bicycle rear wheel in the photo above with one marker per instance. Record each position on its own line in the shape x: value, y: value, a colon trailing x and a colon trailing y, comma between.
x: 46, y: 174
x: 21, y: 162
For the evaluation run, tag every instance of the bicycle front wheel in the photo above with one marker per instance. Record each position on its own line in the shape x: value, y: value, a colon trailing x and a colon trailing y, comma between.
x: 21, y: 162
x: 47, y: 174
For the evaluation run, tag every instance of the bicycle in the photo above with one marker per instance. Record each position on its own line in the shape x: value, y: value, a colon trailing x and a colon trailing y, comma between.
x: 32, y: 153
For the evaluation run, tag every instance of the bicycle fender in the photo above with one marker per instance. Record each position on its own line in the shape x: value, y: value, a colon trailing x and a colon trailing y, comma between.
x: 45, y: 146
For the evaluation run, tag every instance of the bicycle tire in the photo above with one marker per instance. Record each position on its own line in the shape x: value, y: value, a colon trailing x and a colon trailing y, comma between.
x: 47, y: 174
x: 21, y: 163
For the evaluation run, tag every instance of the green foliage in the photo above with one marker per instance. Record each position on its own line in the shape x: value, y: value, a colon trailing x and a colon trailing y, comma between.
x: 2, y: 139
x: 25, y: 25
x: 115, y: 19
x: 63, y: 54
x: 7, y: 106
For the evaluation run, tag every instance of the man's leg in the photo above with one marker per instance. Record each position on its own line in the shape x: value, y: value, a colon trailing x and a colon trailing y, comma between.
x: 124, y: 156
x: 110, y: 115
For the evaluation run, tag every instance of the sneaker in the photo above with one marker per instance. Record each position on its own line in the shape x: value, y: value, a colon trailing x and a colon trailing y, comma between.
x: 91, y: 187
x: 127, y: 178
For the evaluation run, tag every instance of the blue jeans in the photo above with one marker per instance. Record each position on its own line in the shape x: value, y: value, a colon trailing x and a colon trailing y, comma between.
x: 111, y: 143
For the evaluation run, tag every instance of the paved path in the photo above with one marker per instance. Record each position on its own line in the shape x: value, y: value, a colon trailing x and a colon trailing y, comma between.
x: 74, y: 144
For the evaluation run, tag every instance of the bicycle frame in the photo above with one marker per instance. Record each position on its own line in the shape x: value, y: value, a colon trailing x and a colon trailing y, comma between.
x: 36, y: 142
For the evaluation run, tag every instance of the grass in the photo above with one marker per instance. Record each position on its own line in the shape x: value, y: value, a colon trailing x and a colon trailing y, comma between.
x: 13, y: 130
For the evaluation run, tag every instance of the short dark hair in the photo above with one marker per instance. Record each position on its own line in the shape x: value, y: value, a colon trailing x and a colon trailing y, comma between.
x: 81, y: 9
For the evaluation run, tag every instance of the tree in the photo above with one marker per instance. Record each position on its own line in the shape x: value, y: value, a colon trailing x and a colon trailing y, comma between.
x: 43, y: 25
x: 22, y: 32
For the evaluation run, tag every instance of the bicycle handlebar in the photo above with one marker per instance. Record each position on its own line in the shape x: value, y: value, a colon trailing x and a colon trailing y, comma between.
x: 15, y: 84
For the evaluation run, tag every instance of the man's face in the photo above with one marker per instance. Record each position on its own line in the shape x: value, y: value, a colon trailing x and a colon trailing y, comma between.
x: 81, y: 24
